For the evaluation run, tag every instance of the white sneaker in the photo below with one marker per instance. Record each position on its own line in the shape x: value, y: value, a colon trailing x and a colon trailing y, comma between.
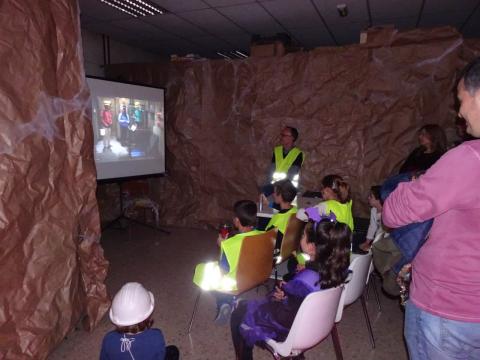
x: 223, y: 314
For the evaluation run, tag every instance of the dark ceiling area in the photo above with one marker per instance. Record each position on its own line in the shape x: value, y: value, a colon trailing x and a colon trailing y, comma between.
x: 206, y: 27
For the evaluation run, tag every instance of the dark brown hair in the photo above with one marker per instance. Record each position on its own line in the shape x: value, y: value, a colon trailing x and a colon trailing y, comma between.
x: 246, y: 212
x: 332, y: 244
x: 135, y: 329
x: 376, y: 192
x: 293, y: 132
x: 285, y: 189
x: 339, y: 187
x: 437, y: 136
x: 471, y: 76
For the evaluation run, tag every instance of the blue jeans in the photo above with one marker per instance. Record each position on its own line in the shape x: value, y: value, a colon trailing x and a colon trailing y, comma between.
x: 431, y: 337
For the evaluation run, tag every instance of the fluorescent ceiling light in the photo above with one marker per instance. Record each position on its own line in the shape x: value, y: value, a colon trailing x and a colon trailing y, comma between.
x: 224, y: 56
x: 241, y: 54
x: 136, y: 8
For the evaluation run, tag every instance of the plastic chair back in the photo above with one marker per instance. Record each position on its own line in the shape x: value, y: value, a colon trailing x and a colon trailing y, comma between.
x: 255, y: 261
x: 354, y: 288
x: 312, y: 324
x: 291, y: 238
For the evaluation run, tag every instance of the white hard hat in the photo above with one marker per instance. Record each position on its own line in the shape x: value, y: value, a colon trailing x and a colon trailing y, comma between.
x: 131, y: 305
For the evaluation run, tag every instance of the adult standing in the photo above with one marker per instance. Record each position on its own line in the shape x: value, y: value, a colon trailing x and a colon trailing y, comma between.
x: 433, y: 144
x: 286, y: 162
x: 442, y: 319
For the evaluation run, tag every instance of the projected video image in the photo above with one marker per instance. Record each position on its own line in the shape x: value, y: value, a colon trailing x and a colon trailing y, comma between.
x: 127, y: 128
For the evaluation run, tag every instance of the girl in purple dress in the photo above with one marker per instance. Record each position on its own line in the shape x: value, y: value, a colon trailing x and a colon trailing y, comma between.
x: 327, y: 243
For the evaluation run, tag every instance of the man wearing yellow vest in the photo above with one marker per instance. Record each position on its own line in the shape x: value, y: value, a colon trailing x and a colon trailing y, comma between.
x: 221, y: 275
x: 287, y: 160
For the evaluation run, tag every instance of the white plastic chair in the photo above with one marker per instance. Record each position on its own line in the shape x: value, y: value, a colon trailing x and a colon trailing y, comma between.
x: 314, y: 321
x: 355, y: 288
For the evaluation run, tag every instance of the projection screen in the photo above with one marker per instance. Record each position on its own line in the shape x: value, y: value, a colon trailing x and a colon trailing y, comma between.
x: 128, y: 126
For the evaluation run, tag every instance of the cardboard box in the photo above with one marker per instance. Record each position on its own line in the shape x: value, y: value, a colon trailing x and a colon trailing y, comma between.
x: 266, y: 50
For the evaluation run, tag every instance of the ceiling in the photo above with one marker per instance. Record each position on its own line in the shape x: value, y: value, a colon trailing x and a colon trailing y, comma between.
x: 205, y: 27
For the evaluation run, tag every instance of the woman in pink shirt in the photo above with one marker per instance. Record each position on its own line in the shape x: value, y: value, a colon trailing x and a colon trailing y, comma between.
x: 442, y: 319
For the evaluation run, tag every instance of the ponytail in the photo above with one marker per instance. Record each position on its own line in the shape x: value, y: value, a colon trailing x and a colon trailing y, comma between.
x: 339, y: 186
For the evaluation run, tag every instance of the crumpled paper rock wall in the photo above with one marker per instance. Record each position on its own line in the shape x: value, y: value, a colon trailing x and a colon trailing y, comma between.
x: 357, y: 109
x: 52, y: 268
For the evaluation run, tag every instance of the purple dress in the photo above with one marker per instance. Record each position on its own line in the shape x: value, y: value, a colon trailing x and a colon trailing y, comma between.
x: 272, y: 319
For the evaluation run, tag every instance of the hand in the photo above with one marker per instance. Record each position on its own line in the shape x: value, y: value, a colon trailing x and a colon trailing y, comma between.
x: 220, y: 239
x: 300, y: 267
x: 278, y: 294
x: 264, y: 200
x: 366, y: 245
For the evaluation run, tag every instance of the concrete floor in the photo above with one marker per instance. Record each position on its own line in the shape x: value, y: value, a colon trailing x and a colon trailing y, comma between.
x: 164, y: 264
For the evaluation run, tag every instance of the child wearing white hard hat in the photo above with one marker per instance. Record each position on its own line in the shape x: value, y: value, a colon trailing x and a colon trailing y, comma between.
x: 134, y: 337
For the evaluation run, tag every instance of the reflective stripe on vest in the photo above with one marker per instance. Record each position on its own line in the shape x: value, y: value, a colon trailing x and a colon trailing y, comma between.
x: 280, y: 220
x: 209, y: 276
x: 343, y: 212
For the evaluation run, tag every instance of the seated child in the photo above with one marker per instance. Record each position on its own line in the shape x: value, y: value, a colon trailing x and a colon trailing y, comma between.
x: 134, y: 338
x: 336, y: 198
x: 283, y: 194
x: 375, y: 228
x: 327, y: 243
x: 222, y: 275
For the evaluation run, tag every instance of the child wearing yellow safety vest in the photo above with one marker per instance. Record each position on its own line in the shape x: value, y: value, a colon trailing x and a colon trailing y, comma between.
x: 222, y: 275
x: 336, y: 199
x: 327, y: 243
x: 284, y: 193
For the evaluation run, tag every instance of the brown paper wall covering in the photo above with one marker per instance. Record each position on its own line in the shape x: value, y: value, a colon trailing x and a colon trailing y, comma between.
x: 357, y: 109
x: 51, y: 263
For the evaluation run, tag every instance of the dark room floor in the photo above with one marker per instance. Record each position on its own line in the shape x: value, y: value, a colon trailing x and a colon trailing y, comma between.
x: 164, y: 264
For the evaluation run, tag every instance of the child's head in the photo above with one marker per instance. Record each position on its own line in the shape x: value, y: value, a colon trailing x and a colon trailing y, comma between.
x: 245, y: 213
x: 132, y: 308
x: 328, y: 244
x: 374, y: 198
x: 335, y: 188
x: 284, y: 190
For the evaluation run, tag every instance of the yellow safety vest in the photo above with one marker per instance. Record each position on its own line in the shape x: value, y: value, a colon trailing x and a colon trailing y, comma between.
x: 343, y: 212
x: 208, y: 275
x: 282, y: 164
x: 280, y: 220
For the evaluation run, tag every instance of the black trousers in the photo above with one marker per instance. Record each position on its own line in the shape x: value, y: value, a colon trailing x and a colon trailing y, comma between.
x: 242, y: 351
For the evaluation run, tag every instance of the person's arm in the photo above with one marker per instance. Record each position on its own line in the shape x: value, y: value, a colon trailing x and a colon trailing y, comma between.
x: 373, y: 226
x: 448, y: 184
x: 159, y: 344
x: 301, y: 215
x: 271, y: 170
x: 103, y: 351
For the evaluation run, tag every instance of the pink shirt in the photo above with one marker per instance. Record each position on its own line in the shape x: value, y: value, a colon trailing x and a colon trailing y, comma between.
x: 446, y: 270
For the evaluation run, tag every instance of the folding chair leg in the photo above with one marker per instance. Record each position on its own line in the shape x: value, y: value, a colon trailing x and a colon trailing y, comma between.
x: 194, y: 311
x: 375, y: 292
x: 367, y: 319
x: 367, y: 288
x: 336, y: 343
